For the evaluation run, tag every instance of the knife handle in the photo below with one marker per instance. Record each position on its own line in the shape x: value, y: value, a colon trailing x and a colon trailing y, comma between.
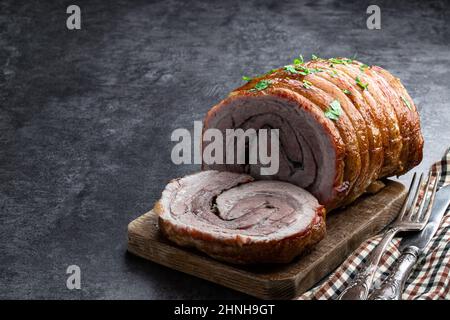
x: 392, y: 287
x: 359, y: 288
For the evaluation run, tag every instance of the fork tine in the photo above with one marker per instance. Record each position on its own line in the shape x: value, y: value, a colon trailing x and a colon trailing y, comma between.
x: 416, y: 217
x: 408, y: 196
x: 412, y: 207
x: 432, y: 196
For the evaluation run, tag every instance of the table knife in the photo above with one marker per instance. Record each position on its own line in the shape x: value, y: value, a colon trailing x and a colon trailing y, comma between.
x: 411, y: 247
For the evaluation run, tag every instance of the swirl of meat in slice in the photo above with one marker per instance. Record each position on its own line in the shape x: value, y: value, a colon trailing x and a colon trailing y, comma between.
x: 235, y: 219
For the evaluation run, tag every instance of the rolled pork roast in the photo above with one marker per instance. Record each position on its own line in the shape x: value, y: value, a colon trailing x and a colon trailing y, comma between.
x: 342, y: 127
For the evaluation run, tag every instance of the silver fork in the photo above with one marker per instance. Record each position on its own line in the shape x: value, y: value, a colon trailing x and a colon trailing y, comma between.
x: 408, y: 219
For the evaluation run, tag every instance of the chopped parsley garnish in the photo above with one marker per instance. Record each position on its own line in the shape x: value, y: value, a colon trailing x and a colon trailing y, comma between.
x: 245, y: 78
x: 346, y: 91
x: 261, y: 85
x: 290, y: 68
x: 303, y: 70
x: 300, y: 69
x: 299, y: 60
x: 362, y: 85
x: 314, y: 57
x: 363, y: 67
x: 334, y: 111
x: 406, y: 103
x: 340, y: 61
x: 307, y: 84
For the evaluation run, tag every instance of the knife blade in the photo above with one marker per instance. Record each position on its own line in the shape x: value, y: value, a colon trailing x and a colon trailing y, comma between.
x: 421, y: 239
x: 411, y: 247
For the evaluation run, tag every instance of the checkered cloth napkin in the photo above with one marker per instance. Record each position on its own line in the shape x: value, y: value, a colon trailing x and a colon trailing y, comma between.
x: 430, y: 277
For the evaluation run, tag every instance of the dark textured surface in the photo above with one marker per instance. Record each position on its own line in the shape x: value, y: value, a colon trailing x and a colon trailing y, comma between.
x: 86, y: 117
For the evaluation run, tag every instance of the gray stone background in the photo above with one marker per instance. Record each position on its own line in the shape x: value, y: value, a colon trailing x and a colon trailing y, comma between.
x: 86, y: 116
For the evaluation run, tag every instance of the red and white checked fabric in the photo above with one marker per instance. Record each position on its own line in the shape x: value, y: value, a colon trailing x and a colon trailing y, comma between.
x: 430, y: 278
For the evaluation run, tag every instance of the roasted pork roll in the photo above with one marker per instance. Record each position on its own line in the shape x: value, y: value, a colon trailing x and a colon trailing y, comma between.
x: 233, y: 218
x: 342, y: 126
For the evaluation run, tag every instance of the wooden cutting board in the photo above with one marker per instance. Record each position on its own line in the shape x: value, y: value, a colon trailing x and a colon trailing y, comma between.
x: 346, y: 230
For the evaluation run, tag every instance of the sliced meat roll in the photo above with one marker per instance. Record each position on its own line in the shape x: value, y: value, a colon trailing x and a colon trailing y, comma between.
x: 235, y: 219
x: 342, y: 126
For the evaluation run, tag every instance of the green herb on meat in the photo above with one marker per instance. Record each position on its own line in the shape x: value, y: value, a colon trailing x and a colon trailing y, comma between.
x: 261, y: 85
x: 299, y: 60
x: 406, y: 103
x: 334, y: 111
x: 245, y: 78
x: 314, y: 57
x: 307, y: 84
x: 301, y: 69
x: 305, y: 71
x: 290, y: 68
x: 346, y: 91
x: 363, y: 67
x: 362, y: 85
x: 340, y: 61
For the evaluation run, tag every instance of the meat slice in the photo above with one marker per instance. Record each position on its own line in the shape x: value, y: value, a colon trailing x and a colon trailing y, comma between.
x: 233, y: 218
x: 312, y: 150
